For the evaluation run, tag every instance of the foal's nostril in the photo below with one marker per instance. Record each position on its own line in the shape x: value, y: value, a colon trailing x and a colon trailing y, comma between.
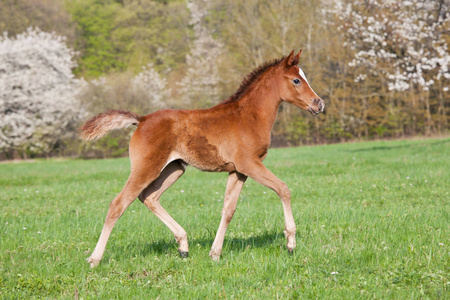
x: 319, y: 103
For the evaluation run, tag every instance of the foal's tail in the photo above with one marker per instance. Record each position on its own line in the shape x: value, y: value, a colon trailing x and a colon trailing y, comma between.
x: 101, y: 124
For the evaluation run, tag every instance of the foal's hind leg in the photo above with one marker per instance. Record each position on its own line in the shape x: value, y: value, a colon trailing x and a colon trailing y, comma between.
x: 138, y: 180
x: 234, y: 187
x: 150, y: 197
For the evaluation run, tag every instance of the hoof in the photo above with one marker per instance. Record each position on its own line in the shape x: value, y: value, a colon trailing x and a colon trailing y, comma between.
x: 93, y: 262
x: 215, y: 256
x: 291, y: 251
x: 183, y: 254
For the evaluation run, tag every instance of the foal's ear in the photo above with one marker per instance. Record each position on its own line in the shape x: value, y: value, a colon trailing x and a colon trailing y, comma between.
x: 297, y: 57
x: 292, y: 60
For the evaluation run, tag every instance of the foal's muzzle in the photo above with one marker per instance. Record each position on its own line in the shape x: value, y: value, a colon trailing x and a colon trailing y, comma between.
x: 317, y: 106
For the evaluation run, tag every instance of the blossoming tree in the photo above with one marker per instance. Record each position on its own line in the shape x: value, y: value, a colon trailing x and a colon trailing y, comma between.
x: 199, y: 87
x: 38, y: 104
x: 403, y: 43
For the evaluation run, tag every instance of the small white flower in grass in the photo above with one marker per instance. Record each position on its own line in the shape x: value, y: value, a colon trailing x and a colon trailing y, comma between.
x: 217, y: 193
x: 182, y: 191
x: 24, y: 190
x: 265, y: 192
x: 322, y: 226
x: 426, y: 180
x: 6, y: 223
x: 334, y: 273
x: 441, y: 244
x: 24, y: 228
x: 37, y: 191
x: 407, y: 177
x: 133, y: 211
x: 410, y: 184
x: 39, y: 232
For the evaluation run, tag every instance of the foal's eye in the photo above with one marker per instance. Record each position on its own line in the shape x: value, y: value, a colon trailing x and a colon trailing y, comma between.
x: 296, y: 81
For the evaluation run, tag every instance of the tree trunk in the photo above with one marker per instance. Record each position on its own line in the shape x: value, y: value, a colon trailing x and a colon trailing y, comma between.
x: 429, y: 126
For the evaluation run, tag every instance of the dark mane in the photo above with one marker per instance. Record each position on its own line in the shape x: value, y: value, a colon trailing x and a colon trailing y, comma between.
x: 250, y: 79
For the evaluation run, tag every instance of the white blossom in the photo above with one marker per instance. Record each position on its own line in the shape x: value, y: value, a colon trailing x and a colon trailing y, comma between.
x: 402, y: 40
x: 150, y: 83
x: 38, y: 90
x: 199, y: 85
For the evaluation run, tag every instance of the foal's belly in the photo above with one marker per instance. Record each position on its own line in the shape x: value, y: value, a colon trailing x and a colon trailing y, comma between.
x: 201, y: 154
x: 201, y: 165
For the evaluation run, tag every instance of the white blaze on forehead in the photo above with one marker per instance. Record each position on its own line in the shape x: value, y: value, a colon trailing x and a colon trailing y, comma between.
x: 300, y: 71
x: 303, y: 76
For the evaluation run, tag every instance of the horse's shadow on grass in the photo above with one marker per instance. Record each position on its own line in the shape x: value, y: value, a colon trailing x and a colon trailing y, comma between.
x: 238, y: 245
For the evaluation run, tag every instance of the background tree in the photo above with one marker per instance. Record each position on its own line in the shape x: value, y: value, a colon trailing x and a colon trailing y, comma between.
x: 116, y: 36
x: 199, y: 86
x: 38, y: 92
x: 400, y: 46
x: 49, y: 15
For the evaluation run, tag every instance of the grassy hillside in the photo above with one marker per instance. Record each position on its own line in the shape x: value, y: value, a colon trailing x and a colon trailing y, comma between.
x: 372, y: 221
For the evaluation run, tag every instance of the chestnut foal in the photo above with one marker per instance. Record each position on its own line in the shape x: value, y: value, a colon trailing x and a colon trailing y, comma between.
x: 232, y: 137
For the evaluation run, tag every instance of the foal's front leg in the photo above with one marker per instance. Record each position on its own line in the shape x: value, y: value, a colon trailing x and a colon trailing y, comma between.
x: 234, y: 187
x: 258, y: 172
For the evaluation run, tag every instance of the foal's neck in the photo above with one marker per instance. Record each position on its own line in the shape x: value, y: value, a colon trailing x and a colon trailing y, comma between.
x: 262, y: 103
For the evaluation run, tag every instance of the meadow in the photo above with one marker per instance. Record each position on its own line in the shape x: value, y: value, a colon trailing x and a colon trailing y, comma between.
x: 373, y: 221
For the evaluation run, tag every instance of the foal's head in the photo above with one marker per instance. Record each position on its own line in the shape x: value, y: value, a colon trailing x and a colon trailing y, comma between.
x: 294, y: 87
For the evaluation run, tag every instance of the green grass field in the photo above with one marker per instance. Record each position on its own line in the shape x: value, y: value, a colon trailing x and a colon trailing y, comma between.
x: 373, y: 221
